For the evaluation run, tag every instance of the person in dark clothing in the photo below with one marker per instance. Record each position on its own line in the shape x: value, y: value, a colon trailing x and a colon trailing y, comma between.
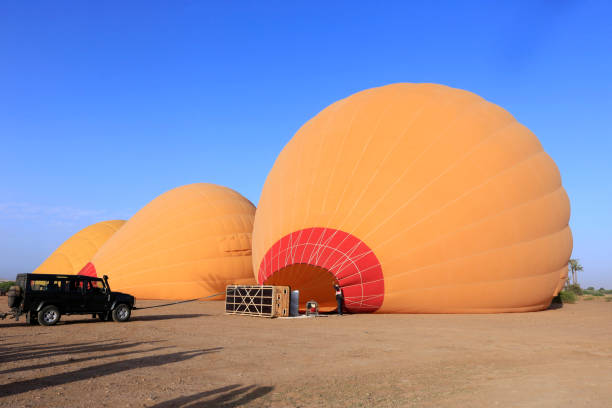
x: 339, y: 298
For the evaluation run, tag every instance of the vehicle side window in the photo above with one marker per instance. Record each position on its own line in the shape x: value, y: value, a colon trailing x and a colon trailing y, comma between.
x: 75, y: 286
x: 94, y: 286
x: 54, y: 286
x: 45, y: 285
x: 38, y: 285
x: 65, y: 285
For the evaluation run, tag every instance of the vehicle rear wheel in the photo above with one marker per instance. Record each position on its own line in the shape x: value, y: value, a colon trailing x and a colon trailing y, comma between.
x: 122, y: 313
x: 48, y: 316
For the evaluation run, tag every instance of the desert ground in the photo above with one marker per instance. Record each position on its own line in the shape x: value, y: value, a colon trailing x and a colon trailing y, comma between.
x: 193, y: 355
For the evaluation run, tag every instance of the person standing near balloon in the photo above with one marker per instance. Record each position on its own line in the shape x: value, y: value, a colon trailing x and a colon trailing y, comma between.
x: 339, y: 298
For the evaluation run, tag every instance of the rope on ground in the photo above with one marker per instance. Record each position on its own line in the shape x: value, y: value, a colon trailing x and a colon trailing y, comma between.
x: 182, y: 301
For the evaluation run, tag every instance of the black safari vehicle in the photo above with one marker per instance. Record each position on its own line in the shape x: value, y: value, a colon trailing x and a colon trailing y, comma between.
x: 44, y: 298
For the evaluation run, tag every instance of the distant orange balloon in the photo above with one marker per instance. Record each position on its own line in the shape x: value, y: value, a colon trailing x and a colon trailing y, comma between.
x: 77, y: 250
x: 189, y: 242
x: 415, y: 198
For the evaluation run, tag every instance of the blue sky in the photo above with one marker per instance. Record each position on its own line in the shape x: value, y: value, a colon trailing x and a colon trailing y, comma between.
x: 106, y: 105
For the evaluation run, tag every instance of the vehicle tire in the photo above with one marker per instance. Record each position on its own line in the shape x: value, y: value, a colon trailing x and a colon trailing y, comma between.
x: 103, y: 317
x: 15, y: 296
x: 122, y: 313
x: 48, y: 316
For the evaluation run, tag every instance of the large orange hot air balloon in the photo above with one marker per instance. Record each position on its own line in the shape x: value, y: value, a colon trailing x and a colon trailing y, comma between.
x: 415, y: 198
x: 190, y: 242
x: 77, y: 250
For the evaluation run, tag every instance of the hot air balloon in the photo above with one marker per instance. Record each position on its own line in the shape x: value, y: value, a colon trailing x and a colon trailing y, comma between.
x: 189, y: 242
x: 76, y: 251
x: 562, y: 280
x: 415, y: 198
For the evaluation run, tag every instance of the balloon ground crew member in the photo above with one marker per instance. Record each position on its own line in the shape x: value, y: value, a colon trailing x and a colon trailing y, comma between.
x: 339, y: 298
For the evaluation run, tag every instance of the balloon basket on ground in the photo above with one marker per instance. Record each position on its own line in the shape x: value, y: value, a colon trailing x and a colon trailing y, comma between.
x: 257, y: 300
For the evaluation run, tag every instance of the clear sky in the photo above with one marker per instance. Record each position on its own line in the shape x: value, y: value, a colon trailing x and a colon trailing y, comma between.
x: 106, y: 105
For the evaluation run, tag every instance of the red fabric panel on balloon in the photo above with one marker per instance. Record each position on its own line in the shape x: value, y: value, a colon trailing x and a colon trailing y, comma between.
x: 352, y: 262
x: 89, y: 270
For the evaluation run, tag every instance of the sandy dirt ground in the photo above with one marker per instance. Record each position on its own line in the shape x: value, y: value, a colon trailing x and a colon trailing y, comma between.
x: 193, y: 355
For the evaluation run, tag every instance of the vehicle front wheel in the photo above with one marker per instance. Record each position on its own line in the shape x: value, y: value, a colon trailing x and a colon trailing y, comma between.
x: 48, y: 316
x: 122, y: 313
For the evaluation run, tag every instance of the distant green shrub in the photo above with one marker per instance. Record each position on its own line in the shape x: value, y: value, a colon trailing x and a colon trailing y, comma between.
x: 575, y: 288
x: 567, y: 296
x: 588, y: 298
x: 608, y: 299
x: 4, y: 286
x: 596, y: 292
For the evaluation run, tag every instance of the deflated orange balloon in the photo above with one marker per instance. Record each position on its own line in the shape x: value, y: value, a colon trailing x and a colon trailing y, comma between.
x: 74, y: 253
x: 189, y: 242
x: 415, y: 198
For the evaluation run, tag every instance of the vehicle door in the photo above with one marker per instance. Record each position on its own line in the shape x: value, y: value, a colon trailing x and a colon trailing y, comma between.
x: 54, y: 295
x: 76, y: 297
x: 64, y: 288
x: 46, y: 290
x: 95, y: 295
x: 35, y: 293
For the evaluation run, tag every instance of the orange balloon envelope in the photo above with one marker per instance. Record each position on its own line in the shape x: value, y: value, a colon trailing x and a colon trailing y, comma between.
x: 77, y: 250
x: 189, y: 242
x: 415, y: 198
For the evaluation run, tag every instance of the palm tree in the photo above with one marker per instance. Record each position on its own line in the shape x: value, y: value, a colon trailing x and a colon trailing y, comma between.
x: 574, y: 266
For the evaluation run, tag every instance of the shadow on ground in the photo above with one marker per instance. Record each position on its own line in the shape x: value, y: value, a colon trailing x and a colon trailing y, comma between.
x: 555, y: 306
x: 20, y: 323
x: 225, y: 397
x: 100, y: 370
x: 27, y: 352
x: 166, y: 317
x: 76, y: 360
x: 135, y: 318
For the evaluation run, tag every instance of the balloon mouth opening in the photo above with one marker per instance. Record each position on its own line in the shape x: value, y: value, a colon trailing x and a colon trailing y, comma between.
x: 313, y: 282
x: 315, y: 258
